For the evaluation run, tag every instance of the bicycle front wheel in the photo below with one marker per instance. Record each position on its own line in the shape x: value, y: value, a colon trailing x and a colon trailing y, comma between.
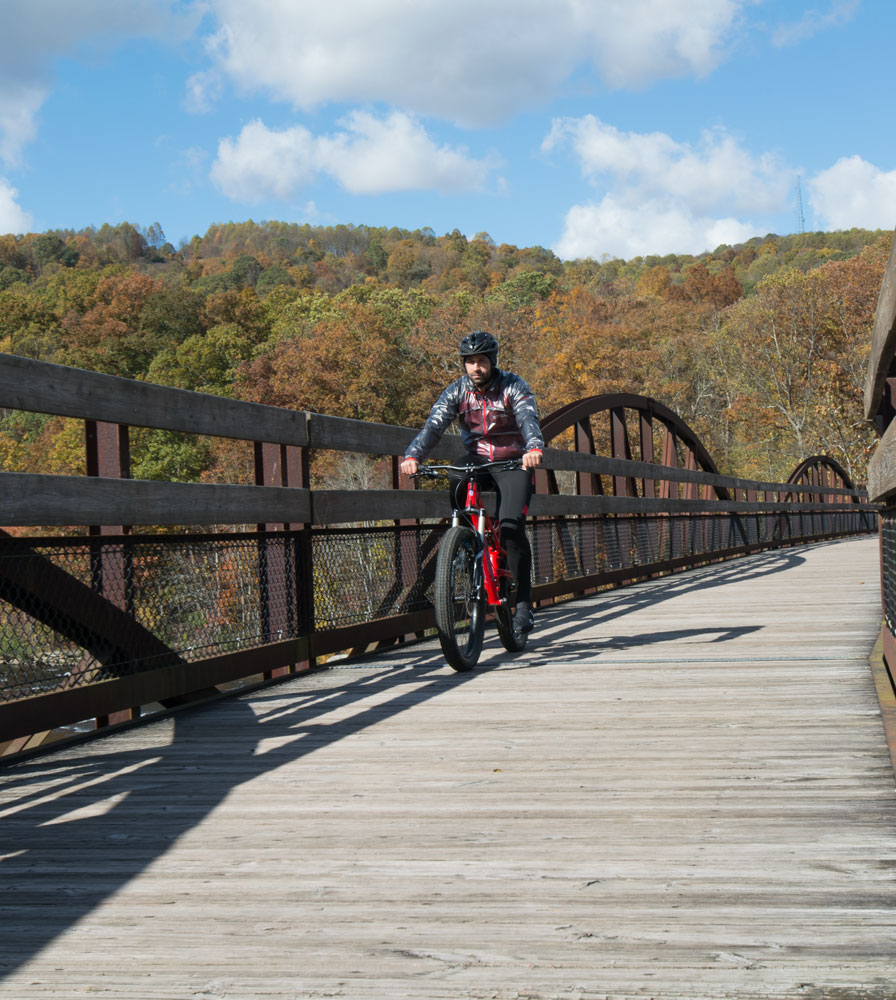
x: 458, y: 599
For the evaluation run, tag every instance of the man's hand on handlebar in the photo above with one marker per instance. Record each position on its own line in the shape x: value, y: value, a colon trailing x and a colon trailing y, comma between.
x: 532, y: 459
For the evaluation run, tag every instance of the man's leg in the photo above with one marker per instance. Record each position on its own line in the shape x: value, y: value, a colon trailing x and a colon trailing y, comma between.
x: 514, y: 493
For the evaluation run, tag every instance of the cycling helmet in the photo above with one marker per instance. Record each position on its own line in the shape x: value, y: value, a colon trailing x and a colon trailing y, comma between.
x: 480, y: 342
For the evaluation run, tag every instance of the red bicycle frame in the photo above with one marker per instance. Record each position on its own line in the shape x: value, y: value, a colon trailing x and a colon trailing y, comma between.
x: 490, y: 533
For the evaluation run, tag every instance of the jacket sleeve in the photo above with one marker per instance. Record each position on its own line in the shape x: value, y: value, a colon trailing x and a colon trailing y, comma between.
x: 441, y: 416
x: 525, y: 412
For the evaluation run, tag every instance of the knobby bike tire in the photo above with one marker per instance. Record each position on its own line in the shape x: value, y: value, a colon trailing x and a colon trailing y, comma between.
x: 459, y: 603
x: 513, y: 642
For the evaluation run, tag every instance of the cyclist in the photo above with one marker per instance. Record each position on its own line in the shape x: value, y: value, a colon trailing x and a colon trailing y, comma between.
x: 498, y: 420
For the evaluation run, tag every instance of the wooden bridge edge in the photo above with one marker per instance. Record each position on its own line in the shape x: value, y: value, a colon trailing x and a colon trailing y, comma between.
x: 885, y: 684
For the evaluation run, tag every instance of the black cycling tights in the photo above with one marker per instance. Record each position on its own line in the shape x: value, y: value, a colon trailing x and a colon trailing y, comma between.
x: 514, y: 488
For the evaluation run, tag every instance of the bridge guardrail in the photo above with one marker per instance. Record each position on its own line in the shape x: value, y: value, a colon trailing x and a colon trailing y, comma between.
x: 880, y: 409
x: 104, y: 625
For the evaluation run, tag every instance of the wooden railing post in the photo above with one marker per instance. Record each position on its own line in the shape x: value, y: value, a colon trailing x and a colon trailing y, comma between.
x: 108, y: 455
x: 280, y: 585
x: 407, y: 571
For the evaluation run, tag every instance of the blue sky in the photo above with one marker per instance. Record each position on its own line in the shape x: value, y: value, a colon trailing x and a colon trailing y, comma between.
x: 593, y: 127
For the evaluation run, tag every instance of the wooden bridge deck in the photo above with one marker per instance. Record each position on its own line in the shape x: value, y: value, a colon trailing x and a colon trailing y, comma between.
x: 681, y: 789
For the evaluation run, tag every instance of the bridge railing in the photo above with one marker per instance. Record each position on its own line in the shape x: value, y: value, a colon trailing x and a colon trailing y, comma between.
x: 112, y: 622
x: 880, y: 408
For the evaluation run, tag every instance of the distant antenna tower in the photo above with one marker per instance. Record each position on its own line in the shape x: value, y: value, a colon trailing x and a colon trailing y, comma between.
x: 800, y: 217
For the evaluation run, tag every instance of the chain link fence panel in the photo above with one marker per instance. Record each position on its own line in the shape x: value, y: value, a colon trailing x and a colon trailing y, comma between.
x: 74, y: 611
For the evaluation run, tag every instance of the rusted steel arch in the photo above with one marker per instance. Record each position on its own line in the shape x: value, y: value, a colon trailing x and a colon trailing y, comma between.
x: 820, y: 470
x: 578, y: 415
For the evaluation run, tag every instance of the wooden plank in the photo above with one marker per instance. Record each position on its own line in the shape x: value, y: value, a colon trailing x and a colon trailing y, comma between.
x: 355, y: 506
x: 882, y: 467
x: 359, y: 506
x: 351, y: 636
x: 343, y: 434
x: 28, y: 499
x: 41, y: 387
x: 566, y: 504
x: 883, y: 669
x: 555, y: 458
x: 883, y: 337
x: 679, y: 791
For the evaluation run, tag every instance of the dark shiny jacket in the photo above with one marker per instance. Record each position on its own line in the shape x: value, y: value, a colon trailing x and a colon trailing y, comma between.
x: 501, y: 422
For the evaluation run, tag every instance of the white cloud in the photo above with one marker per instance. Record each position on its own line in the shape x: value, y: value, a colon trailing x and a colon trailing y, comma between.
x: 203, y: 89
x: 35, y: 34
x: 660, y: 195
x: 635, y: 42
x: 13, y: 218
x: 717, y: 171
x: 19, y: 105
x: 468, y: 62
x: 854, y: 193
x: 658, y: 227
x: 370, y: 156
x: 262, y: 163
x: 396, y: 154
x: 813, y: 21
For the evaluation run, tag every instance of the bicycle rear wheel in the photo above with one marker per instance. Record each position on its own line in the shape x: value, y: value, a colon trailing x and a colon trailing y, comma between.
x: 459, y: 601
x: 513, y: 642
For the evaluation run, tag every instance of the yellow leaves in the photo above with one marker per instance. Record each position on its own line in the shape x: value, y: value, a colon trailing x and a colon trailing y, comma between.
x: 14, y: 453
x: 584, y: 345
x: 65, y: 454
x: 48, y: 445
x: 654, y: 281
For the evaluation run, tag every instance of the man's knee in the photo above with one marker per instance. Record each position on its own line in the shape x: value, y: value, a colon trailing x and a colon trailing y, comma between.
x: 513, y: 532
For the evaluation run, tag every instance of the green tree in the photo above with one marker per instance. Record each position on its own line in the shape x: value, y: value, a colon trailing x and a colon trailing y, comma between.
x: 204, y: 362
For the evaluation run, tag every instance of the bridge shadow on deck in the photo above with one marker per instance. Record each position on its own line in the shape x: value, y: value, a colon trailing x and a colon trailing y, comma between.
x: 78, y: 825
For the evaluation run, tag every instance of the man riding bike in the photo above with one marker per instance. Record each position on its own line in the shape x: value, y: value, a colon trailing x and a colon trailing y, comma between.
x: 498, y: 420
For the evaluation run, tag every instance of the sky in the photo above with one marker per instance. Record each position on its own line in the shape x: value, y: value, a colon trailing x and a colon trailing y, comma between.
x: 596, y: 128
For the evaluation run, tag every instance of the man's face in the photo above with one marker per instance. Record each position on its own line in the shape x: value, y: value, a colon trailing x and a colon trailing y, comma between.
x: 479, y: 368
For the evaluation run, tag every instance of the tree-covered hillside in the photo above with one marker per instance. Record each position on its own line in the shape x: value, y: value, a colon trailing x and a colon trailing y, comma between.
x: 761, y: 347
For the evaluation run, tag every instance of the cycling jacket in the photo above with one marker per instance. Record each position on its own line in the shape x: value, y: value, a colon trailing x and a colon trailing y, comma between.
x: 500, y: 422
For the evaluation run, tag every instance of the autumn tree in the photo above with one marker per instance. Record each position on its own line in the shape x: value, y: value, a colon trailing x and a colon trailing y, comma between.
x: 795, y: 351
x: 347, y: 364
x: 587, y: 346
x: 110, y: 336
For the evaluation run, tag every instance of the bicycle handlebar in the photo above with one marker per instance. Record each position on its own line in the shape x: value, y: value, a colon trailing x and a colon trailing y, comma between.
x: 431, y: 471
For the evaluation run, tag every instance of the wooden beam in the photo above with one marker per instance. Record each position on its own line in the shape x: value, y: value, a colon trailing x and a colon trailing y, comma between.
x: 350, y: 506
x: 62, y: 708
x: 556, y: 458
x: 882, y: 467
x: 41, y: 387
x: 29, y: 499
x: 343, y: 434
x: 573, y: 505
x: 883, y: 337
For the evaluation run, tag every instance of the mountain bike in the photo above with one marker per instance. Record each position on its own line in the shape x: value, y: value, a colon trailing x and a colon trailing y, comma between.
x: 471, y: 572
